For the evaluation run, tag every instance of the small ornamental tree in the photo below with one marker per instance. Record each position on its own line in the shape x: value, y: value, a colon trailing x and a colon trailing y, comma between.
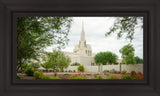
x: 81, y: 68
x: 105, y: 58
x: 128, y: 54
x: 57, y: 60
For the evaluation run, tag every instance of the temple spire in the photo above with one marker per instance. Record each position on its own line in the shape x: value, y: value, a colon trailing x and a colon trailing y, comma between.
x: 82, y: 33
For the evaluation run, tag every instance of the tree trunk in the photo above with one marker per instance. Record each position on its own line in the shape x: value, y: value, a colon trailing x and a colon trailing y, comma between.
x: 101, y: 68
x: 120, y: 67
x: 98, y: 68
x: 18, y: 68
x: 20, y: 63
x: 47, y: 69
x: 55, y: 73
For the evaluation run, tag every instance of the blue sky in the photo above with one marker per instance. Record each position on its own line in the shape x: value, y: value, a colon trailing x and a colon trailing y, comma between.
x: 95, y: 29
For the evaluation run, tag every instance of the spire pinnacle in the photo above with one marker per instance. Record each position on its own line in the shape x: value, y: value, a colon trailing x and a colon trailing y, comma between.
x: 82, y: 33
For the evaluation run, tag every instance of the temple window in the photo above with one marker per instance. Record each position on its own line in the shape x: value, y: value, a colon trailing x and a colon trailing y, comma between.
x: 84, y: 44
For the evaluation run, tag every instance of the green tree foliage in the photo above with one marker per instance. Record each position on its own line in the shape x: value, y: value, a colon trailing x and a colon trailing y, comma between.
x: 46, y: 65
x: 75, y: 64
x: 125, y: 26
x: 34, y: 65
x: 35, y: 33
x: 57, y: 60
x: 24, y: 66
x: 105, y: 58
x: 138, y: 60
x: 128, y: 54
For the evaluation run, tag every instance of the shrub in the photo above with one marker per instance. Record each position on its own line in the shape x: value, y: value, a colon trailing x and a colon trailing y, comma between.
x: 118, y: 72
x: 18, y: 77
x: 137, y: 76
x: 81, y: 68
x: 66, y: 74
x: 139, y: 73
x: 29, y: 71
x: 37, y: 74
x: 111, y: 77
x: 70, y: 71
x: 123, y: 72
x: 133, y: 73
x: 106, y: 71
x: 113, y: 71
x: 43, y: 77
x: 99, y: 77
x: 75, y: 64
x: 95, y: 75
x: 127, y: 77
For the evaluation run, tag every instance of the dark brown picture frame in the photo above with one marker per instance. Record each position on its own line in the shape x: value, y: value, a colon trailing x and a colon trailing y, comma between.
x: 10, y: 9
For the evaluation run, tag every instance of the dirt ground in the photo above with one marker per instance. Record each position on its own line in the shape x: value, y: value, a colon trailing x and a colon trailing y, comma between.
x: 24, y: 76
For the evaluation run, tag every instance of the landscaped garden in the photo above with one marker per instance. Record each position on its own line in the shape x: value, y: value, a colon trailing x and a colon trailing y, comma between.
x: 30, y: 73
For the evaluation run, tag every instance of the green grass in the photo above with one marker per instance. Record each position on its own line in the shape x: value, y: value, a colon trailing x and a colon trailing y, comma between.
x: 52, y: 77
x: 111, y: 77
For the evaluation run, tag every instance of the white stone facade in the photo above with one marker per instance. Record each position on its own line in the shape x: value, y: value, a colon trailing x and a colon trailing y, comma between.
x: 94, y: 69
x: 82, y: 53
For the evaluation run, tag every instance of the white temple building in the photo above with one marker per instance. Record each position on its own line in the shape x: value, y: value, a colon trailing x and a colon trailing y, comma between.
x: 82, y: 53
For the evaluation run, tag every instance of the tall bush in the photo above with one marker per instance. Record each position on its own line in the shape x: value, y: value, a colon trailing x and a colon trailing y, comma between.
x: 29, y: 71
x: 81, y: 68
x: 37, y: 74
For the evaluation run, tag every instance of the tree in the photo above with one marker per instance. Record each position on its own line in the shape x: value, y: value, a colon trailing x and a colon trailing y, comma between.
x: 125, y: 25
x: 81, y: 68
x: 105, y: 58
x: 46, y: 65
x: 138, y: 60
x: 35, y: 65
x: 127, y: 54
x: 58, y: 60
x: 75, y: 64
x: 35, y: 33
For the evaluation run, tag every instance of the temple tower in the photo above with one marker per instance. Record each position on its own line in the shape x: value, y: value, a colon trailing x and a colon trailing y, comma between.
x: 82, y: 47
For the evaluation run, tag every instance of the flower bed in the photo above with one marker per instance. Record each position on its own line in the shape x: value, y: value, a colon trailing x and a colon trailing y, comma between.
x: 132, y: 75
